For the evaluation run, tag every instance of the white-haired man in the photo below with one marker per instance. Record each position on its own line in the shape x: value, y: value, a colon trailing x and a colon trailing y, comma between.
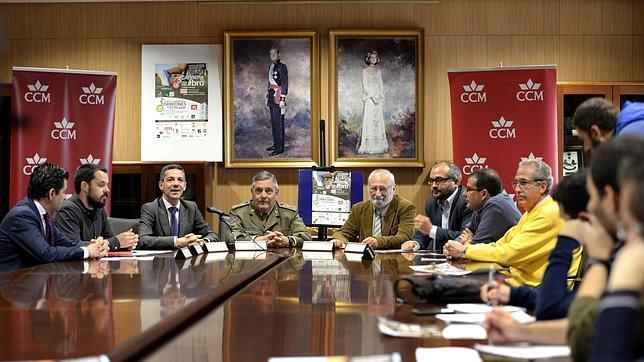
x: 384, y: 221
x: 524, y: 248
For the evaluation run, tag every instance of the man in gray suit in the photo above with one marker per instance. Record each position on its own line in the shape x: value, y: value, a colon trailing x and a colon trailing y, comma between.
x: 170, y: 222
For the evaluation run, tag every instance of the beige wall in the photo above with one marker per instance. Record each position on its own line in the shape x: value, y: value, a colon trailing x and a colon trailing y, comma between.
x: 589, y: 40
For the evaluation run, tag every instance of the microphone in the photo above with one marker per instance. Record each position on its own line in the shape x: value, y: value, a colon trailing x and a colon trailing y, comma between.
x: 225, y: 217
x: 215, y: 210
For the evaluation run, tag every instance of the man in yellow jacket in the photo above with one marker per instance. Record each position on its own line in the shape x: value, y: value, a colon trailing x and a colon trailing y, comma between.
x: 524, y: 248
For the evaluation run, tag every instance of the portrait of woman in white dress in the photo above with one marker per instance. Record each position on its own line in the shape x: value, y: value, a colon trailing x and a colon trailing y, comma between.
x: 373, y: 138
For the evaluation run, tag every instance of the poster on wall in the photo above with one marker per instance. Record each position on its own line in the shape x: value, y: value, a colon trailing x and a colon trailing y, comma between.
x: 181, y: 117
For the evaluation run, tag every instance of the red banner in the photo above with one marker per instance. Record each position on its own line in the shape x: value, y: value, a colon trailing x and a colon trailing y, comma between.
x: 501, y: 116
x: 61, y: 116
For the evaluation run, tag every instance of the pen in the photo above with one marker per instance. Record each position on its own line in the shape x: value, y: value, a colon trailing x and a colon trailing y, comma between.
x: 490, y: 283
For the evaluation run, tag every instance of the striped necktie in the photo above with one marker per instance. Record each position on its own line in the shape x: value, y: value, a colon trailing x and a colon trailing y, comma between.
x: 377, y: 224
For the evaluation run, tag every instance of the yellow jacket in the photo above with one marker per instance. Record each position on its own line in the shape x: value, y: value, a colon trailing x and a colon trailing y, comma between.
x: 526, y: 247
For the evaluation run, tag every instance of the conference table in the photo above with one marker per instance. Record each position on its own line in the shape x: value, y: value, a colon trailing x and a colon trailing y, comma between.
x: 244, y: 306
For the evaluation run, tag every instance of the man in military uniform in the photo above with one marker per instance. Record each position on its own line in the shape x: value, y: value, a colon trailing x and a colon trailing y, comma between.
x: 263, y: 218
x: 276, y: 100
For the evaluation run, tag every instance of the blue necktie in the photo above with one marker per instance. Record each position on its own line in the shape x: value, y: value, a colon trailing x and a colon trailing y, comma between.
x: 174, y: 225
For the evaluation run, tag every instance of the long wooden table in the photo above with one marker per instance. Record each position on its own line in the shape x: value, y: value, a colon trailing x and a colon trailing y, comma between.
x: 307, y: 307
x: 123, y: 309
x: 216, y: 307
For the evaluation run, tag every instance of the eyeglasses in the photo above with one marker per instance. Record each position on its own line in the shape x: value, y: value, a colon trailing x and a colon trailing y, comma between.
x: 382, y: 189
x: 472, y: 190
x: 524, y: 183
x: 438, y: 180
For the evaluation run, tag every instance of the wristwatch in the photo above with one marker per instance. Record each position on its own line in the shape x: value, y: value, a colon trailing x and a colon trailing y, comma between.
x: 292, y: 242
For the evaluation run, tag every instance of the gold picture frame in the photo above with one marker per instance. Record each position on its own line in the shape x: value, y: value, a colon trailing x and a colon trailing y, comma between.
x: 376, y: 101
x: 249, y: 117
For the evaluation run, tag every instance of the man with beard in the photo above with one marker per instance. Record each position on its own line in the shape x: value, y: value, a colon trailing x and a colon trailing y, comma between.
x: 169, y: 221
x: 600, y: 244
x: 266, y: 219
x: 27, y: 235
x: 82, y: 217
x: 447, y: 212
x: 384, y: 221
x: 524, y: 248
x: 594, y: 120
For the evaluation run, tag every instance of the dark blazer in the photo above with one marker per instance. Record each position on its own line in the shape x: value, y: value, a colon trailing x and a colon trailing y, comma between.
x: 459, y: 217
x: 154, y: 230
x: 23, y: 242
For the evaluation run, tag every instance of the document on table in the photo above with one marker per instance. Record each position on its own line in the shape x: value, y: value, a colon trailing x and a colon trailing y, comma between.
x: 460, y: 354
x: 389, y: 251
x: 524, y: 351
x: 439, y: 269
x: 150, y: 252
x: 481, y: 308
x: 478, y: 318
x: 464, y: 331
x: 120, y: 258
x: 394, y: 328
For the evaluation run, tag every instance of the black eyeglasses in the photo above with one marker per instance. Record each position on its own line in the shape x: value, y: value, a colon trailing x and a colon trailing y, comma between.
x: 467, y: 189
x: 438, y: 180
x: 524, y: 183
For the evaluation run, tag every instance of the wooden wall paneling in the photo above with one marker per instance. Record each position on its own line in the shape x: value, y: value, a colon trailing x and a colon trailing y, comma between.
x: 589, y: 40
x: 596, y: 58
x: 636, y: 16
x: 385, y: 15
x: 510, y: 17
x: 455, y: 17
x: 523, y: 50
x: 596, y: 16
x: 638, y: 57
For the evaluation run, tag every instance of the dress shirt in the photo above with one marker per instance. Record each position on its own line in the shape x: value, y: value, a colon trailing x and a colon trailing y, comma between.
x: 168, y: 205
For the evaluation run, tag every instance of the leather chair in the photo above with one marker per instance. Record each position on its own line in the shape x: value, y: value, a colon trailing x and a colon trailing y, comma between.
x: 120, y: 225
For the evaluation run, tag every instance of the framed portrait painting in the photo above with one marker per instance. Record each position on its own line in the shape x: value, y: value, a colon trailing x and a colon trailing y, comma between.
x: 376, y: 97
x: 272, y: 99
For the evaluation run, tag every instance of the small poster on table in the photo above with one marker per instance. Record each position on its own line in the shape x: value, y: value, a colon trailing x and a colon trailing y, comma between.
x: 331, y: 197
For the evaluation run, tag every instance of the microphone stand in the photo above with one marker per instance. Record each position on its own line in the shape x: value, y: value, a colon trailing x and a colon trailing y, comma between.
x: 223, y: 216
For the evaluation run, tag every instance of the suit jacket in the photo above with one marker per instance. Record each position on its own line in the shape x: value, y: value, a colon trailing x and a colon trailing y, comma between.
x: 459, y: 217
x: 154, y: 230
x: 23, y: 242
x: 397, y: 226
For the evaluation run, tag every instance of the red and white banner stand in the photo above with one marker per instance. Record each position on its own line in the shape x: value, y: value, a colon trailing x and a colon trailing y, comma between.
x: 61, y: 116
x: 501, y: 116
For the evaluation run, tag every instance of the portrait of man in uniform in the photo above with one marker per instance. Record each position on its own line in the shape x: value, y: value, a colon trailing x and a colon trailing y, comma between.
x: 270, y: 83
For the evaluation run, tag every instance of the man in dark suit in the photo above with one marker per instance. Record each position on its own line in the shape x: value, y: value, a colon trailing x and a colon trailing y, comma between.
x: 447, y: 212
x: 27, y: 234
x: 169, y: 221
x: 276, y: 100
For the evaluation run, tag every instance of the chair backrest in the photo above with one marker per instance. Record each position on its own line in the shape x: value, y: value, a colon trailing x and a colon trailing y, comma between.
x: 224, y: 230
x: 120, y: 225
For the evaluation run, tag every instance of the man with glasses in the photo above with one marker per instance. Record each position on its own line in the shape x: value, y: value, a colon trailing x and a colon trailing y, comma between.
x: 494, y: 210
x: 447, y: 212
x: 384, y: 221
x: 524, y: 248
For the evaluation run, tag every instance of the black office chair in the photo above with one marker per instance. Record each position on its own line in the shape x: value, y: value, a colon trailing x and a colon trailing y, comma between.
x: 120, y: 225
x: 223, y: 230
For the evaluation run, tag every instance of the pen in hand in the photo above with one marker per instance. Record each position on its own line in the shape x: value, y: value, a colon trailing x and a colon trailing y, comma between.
x: 490, y: 283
